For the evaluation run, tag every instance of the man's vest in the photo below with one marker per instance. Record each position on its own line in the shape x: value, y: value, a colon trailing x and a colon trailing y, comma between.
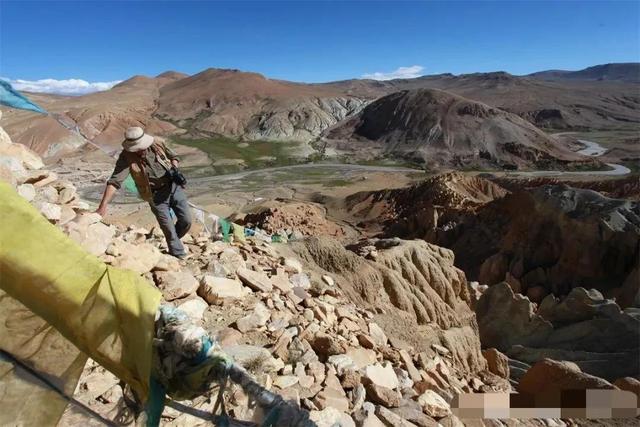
x: 138, y: 173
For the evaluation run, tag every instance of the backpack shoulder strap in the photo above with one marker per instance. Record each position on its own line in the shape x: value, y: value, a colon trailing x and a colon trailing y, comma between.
x: 160, y: 150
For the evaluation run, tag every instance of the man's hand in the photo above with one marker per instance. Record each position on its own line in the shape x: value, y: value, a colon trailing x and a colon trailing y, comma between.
x: 109, y: 192
x: 175, y: 163
x: 102, y: 210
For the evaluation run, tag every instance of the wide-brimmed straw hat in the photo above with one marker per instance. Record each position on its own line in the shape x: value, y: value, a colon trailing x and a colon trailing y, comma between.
x: 136, y: 139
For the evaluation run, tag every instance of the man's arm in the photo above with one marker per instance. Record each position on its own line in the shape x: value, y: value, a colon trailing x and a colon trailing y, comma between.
x: 108, y: 194
x: 120, y: 173
x: 171, y: 155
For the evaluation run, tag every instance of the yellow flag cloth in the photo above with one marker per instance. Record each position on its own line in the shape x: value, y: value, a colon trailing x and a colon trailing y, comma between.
x: 106, y: 312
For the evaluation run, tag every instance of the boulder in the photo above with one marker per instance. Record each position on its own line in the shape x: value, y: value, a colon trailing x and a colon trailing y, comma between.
x: 216, y: 289
x: 39, y: 178
x: 326, y: 345
x: 20, y: 153
x: 254, y: 359
x: 167, y: 263
x: 628, y: 384
x: 94, y: 238
x: 194, y: 307
x: 497, y: 362
x: 176, y: 284
x: 140, y: 258
x: 505, y: 318
x: 331, y: 417
x: 228, y: 337
x: 382, y: 375
x: 581, y: 304
x: 48, y: 194
x: 434, y: 405
x: 382, y: 395
x: 414, y: 374
x: 67, y: 195
x: 411, y: 411
x: 390, y: 419
x: 285, y: 381
x: 257, y: 318
x: 292, y: 264
x: 229, y: 261
x: 257, y: 281
x: 50, y: 211
x: 341, y: 363
x: 27, y: 191
x: 328, y: 280
x: 362, y: 357
x: 377, y: 335
x: 332, y: 398
x: 550, y: 376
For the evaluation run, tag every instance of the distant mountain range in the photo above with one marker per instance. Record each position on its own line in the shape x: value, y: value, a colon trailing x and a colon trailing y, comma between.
x: 625, y: 72
x: 248, y: 106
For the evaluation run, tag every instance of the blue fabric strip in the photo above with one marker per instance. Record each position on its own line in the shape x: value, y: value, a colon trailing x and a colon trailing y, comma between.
x: 12, y: 98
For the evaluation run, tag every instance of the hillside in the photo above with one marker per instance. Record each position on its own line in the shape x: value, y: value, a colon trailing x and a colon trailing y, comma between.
x: 443, y: 129
x: 626, y: 72
x: 102, y: 117
x: 565, y: 104
x: 253, y: 107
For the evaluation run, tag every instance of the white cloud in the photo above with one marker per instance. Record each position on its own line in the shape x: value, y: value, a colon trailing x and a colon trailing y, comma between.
x: 62, y: 87
x: 399, y: 73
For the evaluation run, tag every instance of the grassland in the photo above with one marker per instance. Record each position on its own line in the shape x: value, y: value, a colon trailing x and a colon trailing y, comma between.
x: 229, y: 156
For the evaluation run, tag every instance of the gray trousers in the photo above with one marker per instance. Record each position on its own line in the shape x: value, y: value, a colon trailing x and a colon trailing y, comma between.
x: 167, y: 198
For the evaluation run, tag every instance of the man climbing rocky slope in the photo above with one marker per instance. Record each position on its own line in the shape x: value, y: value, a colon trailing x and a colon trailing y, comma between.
x: 378, y: 333
x: 318, y: 339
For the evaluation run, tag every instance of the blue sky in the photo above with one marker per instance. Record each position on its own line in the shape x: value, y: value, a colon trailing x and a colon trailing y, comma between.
x: 311, y: 41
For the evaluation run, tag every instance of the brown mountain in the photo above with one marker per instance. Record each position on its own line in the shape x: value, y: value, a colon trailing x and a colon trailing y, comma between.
x: 562, y: 104
x: 250, y: 106
x: 441, y: 128
x: 626, y: 72
x: 253, y: 107
x: 101, y: 117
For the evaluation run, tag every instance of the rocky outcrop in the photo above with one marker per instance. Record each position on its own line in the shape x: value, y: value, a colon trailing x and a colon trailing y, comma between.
x: 584, y: 328
x: 542, y: 240
x: 549, y: 376
x: 421, y: 297
x: 557, y: 237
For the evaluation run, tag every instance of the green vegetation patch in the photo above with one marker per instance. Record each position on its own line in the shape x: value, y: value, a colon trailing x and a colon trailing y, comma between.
x: 229, y: 156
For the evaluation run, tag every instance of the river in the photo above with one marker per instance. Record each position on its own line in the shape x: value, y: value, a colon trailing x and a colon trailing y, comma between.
x: 591, y: 149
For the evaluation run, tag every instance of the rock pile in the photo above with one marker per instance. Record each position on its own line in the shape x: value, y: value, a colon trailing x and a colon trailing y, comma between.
x: 294, y: 219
